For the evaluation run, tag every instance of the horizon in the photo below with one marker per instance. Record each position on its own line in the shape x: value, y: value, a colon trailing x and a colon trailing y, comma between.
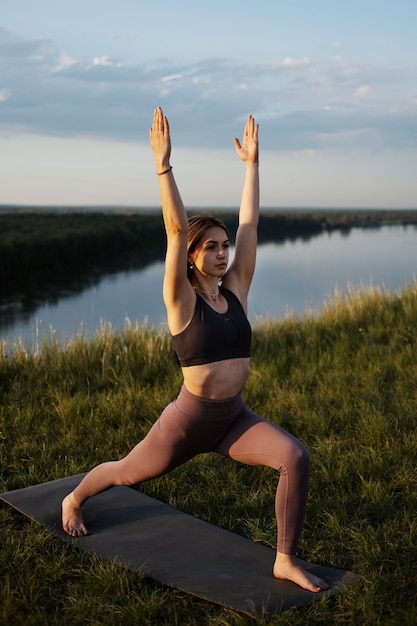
x: 157, y: 208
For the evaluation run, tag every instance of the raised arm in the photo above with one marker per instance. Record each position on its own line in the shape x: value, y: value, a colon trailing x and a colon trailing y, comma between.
x: 240, y: 274
x: 177, y: 291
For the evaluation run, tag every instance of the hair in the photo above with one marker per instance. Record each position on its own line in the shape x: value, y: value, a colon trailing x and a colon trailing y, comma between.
x: 198, y: 225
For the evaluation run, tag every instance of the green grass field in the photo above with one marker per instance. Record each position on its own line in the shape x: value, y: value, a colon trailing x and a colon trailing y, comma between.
x: 344, y: 382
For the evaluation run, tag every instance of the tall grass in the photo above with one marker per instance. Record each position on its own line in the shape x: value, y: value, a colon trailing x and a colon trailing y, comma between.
x: 344, y: 382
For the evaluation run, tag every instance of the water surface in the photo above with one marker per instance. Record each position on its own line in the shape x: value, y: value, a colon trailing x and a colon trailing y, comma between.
x: 294, y: 276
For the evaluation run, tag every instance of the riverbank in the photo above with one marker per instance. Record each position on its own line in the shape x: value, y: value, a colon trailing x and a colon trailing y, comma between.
x: 342, y: 382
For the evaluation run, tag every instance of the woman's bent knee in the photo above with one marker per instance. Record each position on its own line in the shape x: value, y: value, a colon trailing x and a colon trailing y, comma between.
x: 302, y: 457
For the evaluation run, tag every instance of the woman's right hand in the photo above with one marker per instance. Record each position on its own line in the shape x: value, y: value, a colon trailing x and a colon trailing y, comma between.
x: 160, y: 140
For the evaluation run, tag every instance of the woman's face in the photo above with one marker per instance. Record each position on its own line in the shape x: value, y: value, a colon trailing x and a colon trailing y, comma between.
x: 211, y: 254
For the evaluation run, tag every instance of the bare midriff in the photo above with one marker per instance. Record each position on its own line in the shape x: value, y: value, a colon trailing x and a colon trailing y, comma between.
x: 219, y: 380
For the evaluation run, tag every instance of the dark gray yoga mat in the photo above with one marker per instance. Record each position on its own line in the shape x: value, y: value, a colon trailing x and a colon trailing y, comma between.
x: 174, y: 548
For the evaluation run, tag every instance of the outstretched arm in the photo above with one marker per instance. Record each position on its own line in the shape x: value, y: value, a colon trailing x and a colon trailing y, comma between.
x: 176, y: 285
x: 173, y: 211
x: 241, y: 271
x: 248, y: 151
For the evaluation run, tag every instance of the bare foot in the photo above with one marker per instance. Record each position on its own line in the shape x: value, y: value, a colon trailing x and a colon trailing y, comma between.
x: 72, y: 517
x: 288, y: 567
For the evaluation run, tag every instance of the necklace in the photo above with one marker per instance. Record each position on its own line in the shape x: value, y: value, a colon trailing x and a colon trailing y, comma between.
x: 213, y: 296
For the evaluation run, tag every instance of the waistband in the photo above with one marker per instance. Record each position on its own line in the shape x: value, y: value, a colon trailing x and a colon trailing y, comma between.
x: 189, y: 403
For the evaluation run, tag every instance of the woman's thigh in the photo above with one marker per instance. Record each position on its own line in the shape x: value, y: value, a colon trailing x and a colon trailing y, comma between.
x: 256, y: 441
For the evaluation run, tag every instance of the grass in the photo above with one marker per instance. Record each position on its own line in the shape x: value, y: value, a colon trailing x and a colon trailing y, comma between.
x: 344, y: 382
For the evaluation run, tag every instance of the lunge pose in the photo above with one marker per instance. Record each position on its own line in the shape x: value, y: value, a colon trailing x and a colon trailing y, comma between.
x: 206, y: 302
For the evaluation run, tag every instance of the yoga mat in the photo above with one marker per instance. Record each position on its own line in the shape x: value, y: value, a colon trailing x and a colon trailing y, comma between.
x: 174, y: 548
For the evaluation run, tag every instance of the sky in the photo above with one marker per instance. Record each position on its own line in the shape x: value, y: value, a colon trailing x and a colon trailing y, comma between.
x: 333, y: 85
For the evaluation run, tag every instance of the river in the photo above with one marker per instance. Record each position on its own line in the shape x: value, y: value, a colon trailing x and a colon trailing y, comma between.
x: 294, y: 276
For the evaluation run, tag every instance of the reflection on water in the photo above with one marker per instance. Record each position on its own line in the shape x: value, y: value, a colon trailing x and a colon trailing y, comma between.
x: 133, y: 295
x: 291, y: 276
x: 298, y: 276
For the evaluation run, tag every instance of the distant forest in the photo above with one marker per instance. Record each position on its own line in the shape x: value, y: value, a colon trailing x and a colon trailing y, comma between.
x: 49, y: 251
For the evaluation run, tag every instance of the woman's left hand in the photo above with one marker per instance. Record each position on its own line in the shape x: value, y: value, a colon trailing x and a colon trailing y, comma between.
x: 248, y: 149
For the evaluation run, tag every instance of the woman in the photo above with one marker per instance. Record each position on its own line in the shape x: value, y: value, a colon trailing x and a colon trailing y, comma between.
x: 211, y: 335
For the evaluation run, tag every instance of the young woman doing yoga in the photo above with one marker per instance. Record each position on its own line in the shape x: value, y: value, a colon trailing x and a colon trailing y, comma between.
x: 206, y: 302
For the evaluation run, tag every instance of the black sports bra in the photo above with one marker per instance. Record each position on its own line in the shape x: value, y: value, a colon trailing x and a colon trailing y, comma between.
x: 212, y: 336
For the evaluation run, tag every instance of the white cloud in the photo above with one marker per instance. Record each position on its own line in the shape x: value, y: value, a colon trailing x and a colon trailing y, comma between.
x: 363, y: 91
x: 5, y: 94
x: 105, y: 61
x: 289, y: 62
x: 65, y: 61
x: 171, y: 79
x: 169, y: 83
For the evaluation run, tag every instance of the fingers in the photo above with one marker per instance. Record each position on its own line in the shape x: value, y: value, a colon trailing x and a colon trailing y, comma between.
x: 237, y: 143
x: 249, y: 125
x: 251, y: 128
x: 159, y: 122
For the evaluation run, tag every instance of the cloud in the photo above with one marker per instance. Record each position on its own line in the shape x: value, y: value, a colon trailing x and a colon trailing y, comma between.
x: 65, y: 61
x: 106, y: 62
x: 363, y: 91
x: 289, y: 62
x: 5, y: 94
x: 303, y: 104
